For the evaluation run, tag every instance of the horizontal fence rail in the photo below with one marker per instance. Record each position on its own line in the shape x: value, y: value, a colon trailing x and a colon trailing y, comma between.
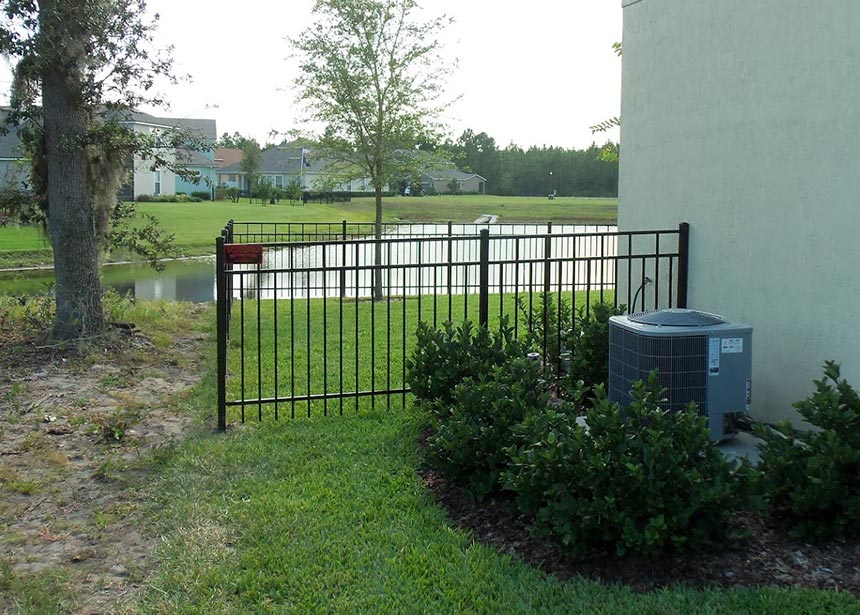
x: 323, y: 321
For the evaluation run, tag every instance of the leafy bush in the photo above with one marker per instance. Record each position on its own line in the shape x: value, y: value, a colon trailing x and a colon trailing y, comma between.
x: 589, y: 345
x: 472, y: 433
x: 18, y: 206
x: 638, y: 479
x: 203, y: 195
x: 167, y: 198
x: 443, y: 358
x: 228, y: 192
x: 812, y: 478
x: 547, y: 322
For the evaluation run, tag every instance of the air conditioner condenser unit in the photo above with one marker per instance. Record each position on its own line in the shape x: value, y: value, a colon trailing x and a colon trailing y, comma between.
x: 699, y: 357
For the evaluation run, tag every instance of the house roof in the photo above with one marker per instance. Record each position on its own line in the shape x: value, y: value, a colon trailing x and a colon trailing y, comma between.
x: 203, y: 127
x: 192, y: 158
x: 449, y: 174
x: 280, y: 160
x: 10, y: 141
x: 225, y: 156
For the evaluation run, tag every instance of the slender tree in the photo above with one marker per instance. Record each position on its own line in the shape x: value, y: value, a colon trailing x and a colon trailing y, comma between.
x: 372, y: 74
x: 235, y: 141
x: 252, y: 160
x: 610, y: 151
x: 81, y: 67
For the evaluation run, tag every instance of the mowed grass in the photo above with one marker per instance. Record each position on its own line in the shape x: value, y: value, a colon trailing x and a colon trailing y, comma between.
x: 317, y: 346
x: 195, y: 225
x: 328, y: 515
x: 467, y: 208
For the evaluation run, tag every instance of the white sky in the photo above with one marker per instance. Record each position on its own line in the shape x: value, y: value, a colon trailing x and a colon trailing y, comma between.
x: 533, y: 73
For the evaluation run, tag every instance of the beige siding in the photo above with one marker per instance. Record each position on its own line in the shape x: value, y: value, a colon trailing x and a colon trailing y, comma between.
x: 741, y: 118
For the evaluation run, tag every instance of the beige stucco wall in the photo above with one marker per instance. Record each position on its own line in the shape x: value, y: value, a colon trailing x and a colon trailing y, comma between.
x: 743, y: 119
x: 144, y: 178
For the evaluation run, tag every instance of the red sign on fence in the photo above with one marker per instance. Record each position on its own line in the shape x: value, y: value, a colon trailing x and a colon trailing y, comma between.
x: 243, y: 254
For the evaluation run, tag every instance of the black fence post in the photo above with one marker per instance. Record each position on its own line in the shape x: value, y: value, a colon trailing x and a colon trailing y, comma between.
x: 484, y: 280
x: 683, y: 262
x: 343, y: 262
x: 547, y: 279
x: 450, y: 269
x: 227, y: 236
x: 547, y: 254
x: 222, y: 323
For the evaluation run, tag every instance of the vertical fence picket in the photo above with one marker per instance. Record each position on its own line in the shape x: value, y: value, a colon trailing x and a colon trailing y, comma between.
x: 223, y: 323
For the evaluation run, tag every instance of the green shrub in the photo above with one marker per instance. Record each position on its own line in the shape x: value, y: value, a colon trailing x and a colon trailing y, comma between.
x: 143, y: 198
x: 812, y: 478
x: 203, y: 195
x: 638, y: 479
x: 443, y: 358
x: 544, y: 444
x: 547, y: 322
x: 471, y: 434
x: 589, y: 346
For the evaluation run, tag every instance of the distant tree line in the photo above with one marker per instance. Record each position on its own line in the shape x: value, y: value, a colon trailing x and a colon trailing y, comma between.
x: 511, y: 171
x: 542, y: 170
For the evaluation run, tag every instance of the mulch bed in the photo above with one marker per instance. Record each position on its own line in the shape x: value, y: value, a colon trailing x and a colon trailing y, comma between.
x: 769, y: 556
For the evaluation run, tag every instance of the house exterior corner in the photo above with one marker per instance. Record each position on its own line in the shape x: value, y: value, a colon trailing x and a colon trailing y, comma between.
x: 739, y: 117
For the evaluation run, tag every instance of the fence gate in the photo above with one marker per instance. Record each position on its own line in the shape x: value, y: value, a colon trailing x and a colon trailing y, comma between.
x: 320, y: 318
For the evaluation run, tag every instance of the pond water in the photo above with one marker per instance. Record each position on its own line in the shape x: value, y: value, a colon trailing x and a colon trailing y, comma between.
x: 415, y: 261
x: 191, y: 280
x: 194, y: 280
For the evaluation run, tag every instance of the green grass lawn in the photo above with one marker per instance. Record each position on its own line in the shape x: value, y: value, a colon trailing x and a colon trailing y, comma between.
x: 195, y: 225
x: 328, y: 515
x: 343, y: 347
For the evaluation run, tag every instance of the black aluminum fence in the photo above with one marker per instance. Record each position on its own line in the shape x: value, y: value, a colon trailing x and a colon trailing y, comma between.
x: 320, y: 318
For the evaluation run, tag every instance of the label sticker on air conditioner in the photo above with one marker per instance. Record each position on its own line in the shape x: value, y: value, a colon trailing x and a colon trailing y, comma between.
x: 733, y: 345
x: 714, y: 356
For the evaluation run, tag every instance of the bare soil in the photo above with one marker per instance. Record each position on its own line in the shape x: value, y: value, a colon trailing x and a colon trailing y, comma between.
x: 768, y: 557
x: 76, y: 431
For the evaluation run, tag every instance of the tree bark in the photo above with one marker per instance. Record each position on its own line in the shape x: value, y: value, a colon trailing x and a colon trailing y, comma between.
x: 70, y: 215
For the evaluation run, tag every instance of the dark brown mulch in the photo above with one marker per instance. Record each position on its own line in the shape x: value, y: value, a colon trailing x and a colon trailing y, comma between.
x: 769, y: 556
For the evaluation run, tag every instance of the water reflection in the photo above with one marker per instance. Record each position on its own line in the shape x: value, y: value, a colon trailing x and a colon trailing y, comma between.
x: 418, y: 266
x: 192, y: 280
x: 186, y: 281
x: 423, y: 260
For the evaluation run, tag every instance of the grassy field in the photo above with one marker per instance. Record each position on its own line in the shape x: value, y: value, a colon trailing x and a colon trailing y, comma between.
x: 328, y: 515
x: 195, y: 225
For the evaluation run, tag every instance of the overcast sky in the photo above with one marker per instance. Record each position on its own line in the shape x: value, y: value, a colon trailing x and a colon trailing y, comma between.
x: 534, y: 73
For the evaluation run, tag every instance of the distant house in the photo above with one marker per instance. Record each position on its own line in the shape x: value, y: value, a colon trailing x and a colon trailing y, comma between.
x: 225, y: 156
x: 155, y: 181
x: 440, y: 182
x: 740, y: 118
x: 13, y: 171
x: 203, y: 165
x: 144, y: 179
x: 282, y: 164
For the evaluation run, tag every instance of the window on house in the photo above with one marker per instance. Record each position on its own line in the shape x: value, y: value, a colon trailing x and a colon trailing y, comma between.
x: 156, y: 177
x: 279, y: 181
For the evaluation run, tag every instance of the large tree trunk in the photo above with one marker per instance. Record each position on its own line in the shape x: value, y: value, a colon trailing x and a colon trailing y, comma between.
x: 377, y: 253
x: 70, y: 214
